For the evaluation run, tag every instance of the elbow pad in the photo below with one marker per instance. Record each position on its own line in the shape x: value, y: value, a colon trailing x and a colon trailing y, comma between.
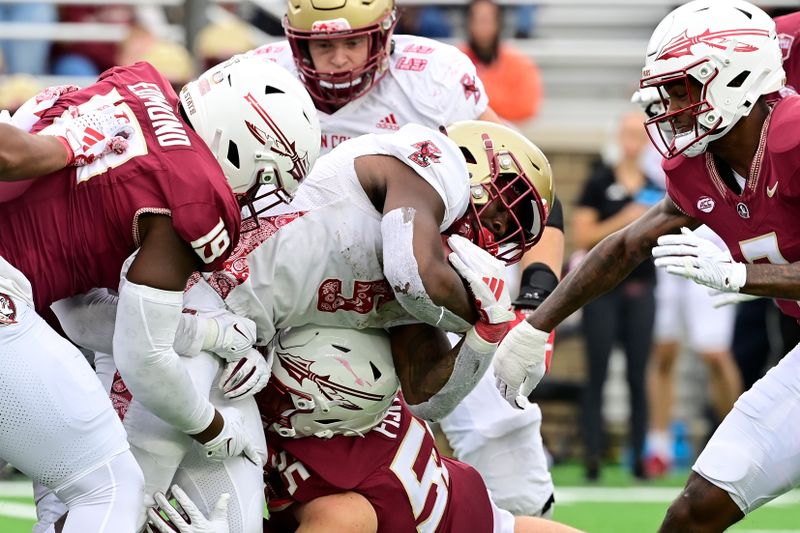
x: 402, y: 272
x: 471, y: 364
x: 556, y: 217
x: 538, y: 281
x: 88, y: 319
x: 147, y: 319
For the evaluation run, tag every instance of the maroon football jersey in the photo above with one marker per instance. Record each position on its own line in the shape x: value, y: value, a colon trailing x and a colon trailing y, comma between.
x: 396, y: 466
x: 760, y: 225
x: 788, y: 27
x: 72, y: 230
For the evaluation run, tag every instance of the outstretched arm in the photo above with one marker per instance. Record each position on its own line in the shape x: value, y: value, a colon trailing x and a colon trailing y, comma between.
x: 608, y: 263
x: 25, y: 156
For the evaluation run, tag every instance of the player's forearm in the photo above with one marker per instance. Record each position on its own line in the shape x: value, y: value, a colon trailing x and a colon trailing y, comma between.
x: 447, y: 290
x: 25, y: 156
x: 774, y: 281
x: 601, y: 270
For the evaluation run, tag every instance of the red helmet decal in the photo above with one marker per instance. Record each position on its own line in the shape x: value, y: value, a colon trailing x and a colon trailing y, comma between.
x: 682, y: 44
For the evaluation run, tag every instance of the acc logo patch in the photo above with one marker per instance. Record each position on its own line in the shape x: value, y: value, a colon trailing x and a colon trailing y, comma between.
x: 426, y: 153
x: 8, y: 310
x: 470, y: 89
x: 785, y: 41
x: 705, y: 204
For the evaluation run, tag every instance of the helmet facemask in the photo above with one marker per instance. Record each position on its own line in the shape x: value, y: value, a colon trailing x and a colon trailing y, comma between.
x: 664, y: 129
x: 332, y: 90
x: 508, y: 188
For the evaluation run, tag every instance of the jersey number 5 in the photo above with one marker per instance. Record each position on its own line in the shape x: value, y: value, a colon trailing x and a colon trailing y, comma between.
x: 418, y: 489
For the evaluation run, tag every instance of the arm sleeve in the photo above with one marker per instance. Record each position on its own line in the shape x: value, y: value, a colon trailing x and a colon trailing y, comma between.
x: 471, y: 363
x: 146, y: 322
x: 556, y: 217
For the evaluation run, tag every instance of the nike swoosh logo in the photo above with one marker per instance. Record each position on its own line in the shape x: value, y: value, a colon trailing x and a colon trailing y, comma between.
x: 771, y: 191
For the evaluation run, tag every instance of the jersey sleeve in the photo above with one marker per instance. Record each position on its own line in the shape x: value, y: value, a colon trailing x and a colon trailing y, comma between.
x: 437, y: 160
x: 445, y: 78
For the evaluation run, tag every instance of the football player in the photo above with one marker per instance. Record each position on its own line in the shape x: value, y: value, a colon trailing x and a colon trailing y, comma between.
x: 339, y: 256
x: 165, y: 197
x: 732, y: 165
x: 346, y: 453
x: 366, y: 79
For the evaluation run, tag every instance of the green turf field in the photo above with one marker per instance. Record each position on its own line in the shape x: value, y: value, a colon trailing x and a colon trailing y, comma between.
x: 617, y: 504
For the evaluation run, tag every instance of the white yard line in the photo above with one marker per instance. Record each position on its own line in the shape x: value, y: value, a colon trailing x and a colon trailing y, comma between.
x: 25, y: 511
x: 16, y: 489
x: 568, y: 495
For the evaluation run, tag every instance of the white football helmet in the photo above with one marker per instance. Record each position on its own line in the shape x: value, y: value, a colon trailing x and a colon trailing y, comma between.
x: 728, y: 47
x: 260, y: 124
x: 328, y: 381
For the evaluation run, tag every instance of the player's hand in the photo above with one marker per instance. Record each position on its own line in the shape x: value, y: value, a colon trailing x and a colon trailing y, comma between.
x: 188, y: 519
x: 32, y: 110
x: 699, y: 260
x: 91, y: 135
x: 247, y: 376
x: 232, y: 441
x: 721, y: 299
x: 230, y: 336
x: 485, y: 276
x: 521, y: 361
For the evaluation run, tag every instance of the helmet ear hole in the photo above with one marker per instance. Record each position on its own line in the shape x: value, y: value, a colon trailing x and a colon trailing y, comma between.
x: 468, y: 155
x: 233, y: 154
x: 269, y: 89
x: 738, y: 81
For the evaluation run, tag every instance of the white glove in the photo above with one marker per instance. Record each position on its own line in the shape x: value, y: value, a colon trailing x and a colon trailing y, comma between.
x: 91, y: 135
x: 700, y: 260
x: 233, y: 441
x: 247, y: 376
x: 485, y: 276
x: 32, y: 110
x: 721, y: 299
x: 228, y: 335
x: 195, y: 522
x: 520, y: 362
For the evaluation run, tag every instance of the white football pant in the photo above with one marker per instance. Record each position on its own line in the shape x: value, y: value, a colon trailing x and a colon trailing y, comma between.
x: 57, y: 424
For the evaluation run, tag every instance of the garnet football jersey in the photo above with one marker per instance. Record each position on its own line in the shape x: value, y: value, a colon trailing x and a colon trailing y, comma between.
x: 788, y: 27
x: 73, y: 229
x: 395, y: 466
x: 320, y: 259
x: 428, y: 82
x: 760, y: 225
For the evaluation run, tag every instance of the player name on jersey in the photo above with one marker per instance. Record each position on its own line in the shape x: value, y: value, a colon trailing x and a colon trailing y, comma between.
x: 168, y: 129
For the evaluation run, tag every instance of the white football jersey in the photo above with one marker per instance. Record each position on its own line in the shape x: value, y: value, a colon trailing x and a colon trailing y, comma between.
x: 320, y: 259
x: 428, y: 83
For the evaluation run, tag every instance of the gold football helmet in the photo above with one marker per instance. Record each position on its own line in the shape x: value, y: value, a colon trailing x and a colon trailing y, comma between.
x: 308, y: 20
x: 504, y: 167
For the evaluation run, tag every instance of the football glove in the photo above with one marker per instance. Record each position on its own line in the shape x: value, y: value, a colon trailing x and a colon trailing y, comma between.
x: 721, y: 299
x: 699, y: 260
x: 228, y: 335
x: 521, y: 361
x: 247, y: 376
x: 91, y: 135
x: 485, y: 276
x: 189, y: 519
x: 232, y: 441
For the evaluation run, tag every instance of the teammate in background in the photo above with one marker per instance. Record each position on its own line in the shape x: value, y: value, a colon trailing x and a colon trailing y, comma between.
x: 788, y: 28
x: 365, y: 79
x: 164, y: 197
x: 732, y: 164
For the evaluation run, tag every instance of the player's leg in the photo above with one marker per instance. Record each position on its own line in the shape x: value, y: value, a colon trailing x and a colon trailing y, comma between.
x: 505, y: 446
x: 637, y: 337
x: 347, y: 512
x: 599, y: 324
x: 59, y: 428
x: 710, y: 335
x: 667, y: 335
x: 205, y: 481
x: 751, y: 459
x: 49, y: 509
x: 158, y: 447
